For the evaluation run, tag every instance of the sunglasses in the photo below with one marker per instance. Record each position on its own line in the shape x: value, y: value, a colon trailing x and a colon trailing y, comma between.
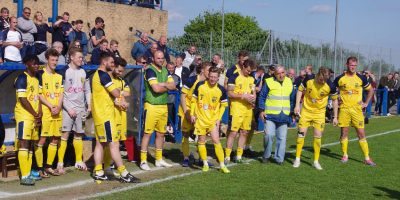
x: 27, y: 13
x: 143, y: 63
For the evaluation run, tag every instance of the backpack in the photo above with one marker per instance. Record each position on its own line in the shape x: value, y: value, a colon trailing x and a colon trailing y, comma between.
x: 90, y: 46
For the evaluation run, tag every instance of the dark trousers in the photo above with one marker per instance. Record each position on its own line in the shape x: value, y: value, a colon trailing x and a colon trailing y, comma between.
x: 391, y: 99
x: 2, y: 132
x: 379, y: 99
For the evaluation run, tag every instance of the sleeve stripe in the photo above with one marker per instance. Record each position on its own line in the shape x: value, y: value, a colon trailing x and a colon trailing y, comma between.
x: 21, y: 90
x: 108, y: 84
x: 367, y: 85
x: 185, y: 86
x: 152, y: 78
x: 232, y: 84
x: 224, y: 100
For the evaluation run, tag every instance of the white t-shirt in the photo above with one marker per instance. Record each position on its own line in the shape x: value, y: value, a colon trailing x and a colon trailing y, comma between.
x: 12, y: 52
x: 178, y: 71
x: 189, y: 58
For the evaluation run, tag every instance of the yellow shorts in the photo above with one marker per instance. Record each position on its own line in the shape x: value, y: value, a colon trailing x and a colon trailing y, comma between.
x: 107, y: 132
x: 351, y: 115
x: 120, y: 132
x: 51, y: 128
x: 156, y: 118
x: 240, y: 122
x: 203, y: 130
x: 187, y: 126
x: 315, y: 120
x: 26, y: 130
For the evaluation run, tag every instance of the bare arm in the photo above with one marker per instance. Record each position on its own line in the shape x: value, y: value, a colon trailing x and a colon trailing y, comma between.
x: 369, y: 96
x: 27, y: 106
x: 45, y: 102
x: 159, y: 87
x: 298, y: 99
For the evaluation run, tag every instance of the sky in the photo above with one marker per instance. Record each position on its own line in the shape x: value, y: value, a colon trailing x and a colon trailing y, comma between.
x: 367, y: 25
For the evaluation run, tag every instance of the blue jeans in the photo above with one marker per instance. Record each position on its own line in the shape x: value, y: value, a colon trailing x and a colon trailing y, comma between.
x: 272, y: 129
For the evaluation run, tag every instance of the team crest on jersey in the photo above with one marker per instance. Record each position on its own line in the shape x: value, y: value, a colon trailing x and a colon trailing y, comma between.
x: 46, y: 85
x: 82, y: 80
x: 32, y: 88
x: 214, y: 99
x: 357, y: 85
x: 240, y: 86
x: 57, y: 85
x: 70, y: 81
x: 201, y: 96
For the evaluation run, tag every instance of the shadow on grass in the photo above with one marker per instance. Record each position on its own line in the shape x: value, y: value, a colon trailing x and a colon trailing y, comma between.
x: 325, y: 152
x: 393, y: 194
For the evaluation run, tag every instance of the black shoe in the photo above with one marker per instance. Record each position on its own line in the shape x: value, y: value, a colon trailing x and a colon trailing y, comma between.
x: 100, y: 178
x: 279, y: 163
x: 249, y: 153
x: 265, y: 160
x: 129, y: 178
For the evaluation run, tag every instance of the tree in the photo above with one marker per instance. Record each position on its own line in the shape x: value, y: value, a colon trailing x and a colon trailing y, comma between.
x: 241, y: 33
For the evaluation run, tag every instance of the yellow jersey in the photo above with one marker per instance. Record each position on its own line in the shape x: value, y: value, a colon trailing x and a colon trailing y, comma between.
x: 102, y: 102
x: 242, y: 85
x: 122, y: 85
x: 208, y: 103
x: 232, y: 71
x: 26, y: 86
x: 351, y: 89
x: 51, y: 86
x: 188, y: 89
x: 316, y: 95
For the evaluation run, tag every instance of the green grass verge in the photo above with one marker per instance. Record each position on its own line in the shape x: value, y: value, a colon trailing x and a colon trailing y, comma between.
x: 260, y: 181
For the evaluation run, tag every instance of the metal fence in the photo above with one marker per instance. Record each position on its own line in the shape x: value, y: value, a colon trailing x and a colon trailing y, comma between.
x: 290, y: 50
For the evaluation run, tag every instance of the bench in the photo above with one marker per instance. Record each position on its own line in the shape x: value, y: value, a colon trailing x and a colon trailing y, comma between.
x: 8, y: 160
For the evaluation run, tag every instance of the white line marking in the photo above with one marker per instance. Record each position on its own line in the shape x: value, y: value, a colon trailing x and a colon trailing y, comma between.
x: 69, y: 185
x: 196, y: 172
x: 87, y: 181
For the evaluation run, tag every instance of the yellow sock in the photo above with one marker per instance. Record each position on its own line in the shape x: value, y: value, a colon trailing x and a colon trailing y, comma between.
x: 158, y: 154
x: 61, y: 150
x: 219, y: 152
x: 51, y: 154
x: 122, y: 170
x: 39, y: 156
x: 317, y: 148
x: 30, y: 157
x: 143, y: 156
x: 249, y: 138
x: 364, y: 147
x: 345, y: 143
x: 107, y: 157
x: 228, y: 152
x: 299, y: 146
x: 239, y: 153
x: 23, y: 159
x: 98, y: 169
x: 185, y: 147
x: 202, y: 151
x: 78, y: 146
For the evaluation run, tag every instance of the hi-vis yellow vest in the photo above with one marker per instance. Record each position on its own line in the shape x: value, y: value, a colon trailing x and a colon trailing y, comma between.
x: 278, y: 96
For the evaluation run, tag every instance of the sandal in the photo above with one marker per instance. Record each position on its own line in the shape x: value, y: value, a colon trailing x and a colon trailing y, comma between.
x: 52, y: 172
x: 43, y: 174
